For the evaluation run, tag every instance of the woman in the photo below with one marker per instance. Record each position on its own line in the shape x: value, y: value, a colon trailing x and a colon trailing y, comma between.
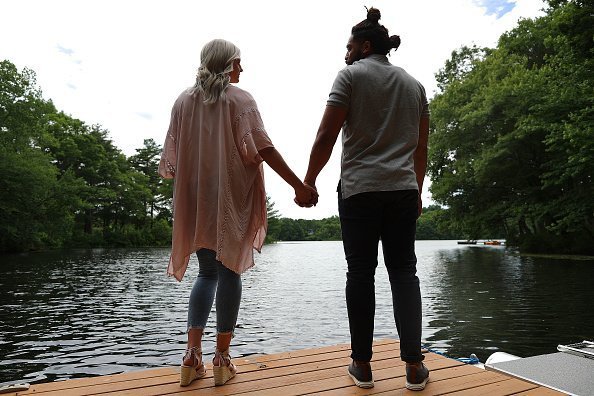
x: 214, y: 150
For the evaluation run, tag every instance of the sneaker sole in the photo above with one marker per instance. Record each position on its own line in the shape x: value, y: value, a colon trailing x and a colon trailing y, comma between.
x: 361, y: 384
x: 417, y: 387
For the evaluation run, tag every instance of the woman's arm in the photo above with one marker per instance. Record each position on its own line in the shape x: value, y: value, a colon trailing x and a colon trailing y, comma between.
x: 304, y: 195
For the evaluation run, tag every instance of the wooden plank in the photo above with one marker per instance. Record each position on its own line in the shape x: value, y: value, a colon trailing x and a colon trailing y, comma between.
x: 321, y: 371
x: 391, y: 366
x: 104, y: 379
x: 384, y: 344
x: 441, y: 382
x: 465, y: 382
x: 541, y: 391
x: 274, y: 383
x: 273, y: 371
x: 111, y: 384
x: 502, y: 388
x: 342, y: 384
x: 441, y: 368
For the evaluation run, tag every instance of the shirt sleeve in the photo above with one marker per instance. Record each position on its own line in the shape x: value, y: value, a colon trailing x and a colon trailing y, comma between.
x: 425, y: 113
x: 252, y: 135
x: 168, y: 163
x: 340, y: 94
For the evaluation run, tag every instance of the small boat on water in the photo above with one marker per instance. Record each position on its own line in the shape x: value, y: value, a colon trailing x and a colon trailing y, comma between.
x: 493, y: 243
x: 467, y: 242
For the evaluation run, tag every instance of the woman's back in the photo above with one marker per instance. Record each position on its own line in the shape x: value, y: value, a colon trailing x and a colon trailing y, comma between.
x: 212, y: 149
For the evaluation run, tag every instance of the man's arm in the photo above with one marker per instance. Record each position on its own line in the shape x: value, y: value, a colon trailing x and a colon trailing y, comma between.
x: 334, y: 117
x: 420, y: 156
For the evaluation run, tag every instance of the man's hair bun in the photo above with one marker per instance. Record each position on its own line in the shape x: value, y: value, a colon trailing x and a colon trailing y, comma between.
x: 370, y: 30
x: 373, y: 15
x: 395, y: 41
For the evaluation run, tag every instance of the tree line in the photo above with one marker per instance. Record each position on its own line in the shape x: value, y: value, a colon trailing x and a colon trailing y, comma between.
x: 512, y: 137
x: 63, y: 183
x: 429, y: 226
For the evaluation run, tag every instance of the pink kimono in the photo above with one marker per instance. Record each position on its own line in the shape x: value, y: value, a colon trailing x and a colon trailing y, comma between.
x: 219, y: 199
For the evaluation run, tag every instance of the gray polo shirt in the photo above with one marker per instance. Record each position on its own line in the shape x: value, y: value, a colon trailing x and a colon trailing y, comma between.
x: 381, y: 131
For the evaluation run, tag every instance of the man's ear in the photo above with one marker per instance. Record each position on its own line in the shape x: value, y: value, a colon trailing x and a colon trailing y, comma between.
x: 366, y: 48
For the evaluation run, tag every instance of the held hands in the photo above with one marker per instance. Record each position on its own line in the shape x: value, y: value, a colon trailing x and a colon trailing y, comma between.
x: 306, y: 196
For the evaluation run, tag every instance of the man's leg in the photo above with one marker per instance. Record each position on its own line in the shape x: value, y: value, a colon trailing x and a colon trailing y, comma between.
x: 398, y: 244
x: 360, y: 224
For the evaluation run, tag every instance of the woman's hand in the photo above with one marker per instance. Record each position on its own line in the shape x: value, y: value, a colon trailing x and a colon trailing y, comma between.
x: 306, y: 196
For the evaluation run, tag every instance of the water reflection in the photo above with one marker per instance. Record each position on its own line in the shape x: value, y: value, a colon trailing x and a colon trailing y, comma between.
x: 483, y: 300
x: 93, y: 312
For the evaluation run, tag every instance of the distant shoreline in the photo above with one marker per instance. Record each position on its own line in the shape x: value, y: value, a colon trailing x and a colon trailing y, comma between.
x: 558, y: 256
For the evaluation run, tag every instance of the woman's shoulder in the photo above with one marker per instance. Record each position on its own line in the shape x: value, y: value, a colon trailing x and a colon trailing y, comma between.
x: 239, y: 96
x: 184, y: 95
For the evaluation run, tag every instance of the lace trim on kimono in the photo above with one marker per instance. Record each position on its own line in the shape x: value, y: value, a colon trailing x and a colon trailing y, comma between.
x: 245, y: 112
x: 170, y: 136
x: 170, y: 167
x: 250, y: 131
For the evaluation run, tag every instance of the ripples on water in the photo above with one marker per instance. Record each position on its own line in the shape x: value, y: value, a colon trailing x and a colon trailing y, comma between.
x: 94, y: 312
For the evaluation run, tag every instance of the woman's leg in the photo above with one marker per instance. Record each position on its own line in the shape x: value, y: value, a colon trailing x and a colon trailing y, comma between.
x: 201, y: 299
x: 228, y: 299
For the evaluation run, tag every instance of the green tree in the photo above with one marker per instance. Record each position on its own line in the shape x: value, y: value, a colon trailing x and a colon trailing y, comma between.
x: 64, y: 183
x: 146, y: 162
x: 35, y: 204
x: 435, y: 224
x: 273, y: 218
x: 512, y: 140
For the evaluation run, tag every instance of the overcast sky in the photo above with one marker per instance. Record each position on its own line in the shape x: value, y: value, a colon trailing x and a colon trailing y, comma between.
x: 122, y: 64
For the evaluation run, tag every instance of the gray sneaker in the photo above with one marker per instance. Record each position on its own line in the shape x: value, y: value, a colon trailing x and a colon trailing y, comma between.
x: 417, y: 376
x: 360, y: 372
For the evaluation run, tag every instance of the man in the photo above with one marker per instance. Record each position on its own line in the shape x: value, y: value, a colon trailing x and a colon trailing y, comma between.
x: 384, y: 116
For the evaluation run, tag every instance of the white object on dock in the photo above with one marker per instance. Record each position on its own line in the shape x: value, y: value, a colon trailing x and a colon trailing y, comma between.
x: 14, y: 388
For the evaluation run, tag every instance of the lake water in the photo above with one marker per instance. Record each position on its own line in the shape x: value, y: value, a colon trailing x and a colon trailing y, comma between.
x: 92, y: 312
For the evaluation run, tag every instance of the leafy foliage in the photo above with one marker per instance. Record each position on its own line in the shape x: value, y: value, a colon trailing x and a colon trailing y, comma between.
x: 65, y: 184
x: 512, y: 140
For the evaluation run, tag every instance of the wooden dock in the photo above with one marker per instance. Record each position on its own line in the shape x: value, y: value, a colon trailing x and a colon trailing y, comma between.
x: 320, y: 371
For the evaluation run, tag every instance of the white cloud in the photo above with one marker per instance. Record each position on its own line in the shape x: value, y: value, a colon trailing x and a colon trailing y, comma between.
x: 128, y: 61
x: 496, y: 7
x: 66, y: 51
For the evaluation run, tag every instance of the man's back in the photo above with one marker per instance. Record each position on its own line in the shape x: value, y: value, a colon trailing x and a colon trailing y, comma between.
x: 380, y: 134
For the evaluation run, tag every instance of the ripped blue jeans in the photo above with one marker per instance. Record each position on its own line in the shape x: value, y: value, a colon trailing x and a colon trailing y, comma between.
x: 214, y: 279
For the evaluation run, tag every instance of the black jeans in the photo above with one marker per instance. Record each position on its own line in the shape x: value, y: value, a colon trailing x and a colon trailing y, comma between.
x: 365, y: 219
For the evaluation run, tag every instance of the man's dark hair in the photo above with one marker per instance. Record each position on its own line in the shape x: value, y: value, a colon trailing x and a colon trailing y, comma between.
x: 370, y: 30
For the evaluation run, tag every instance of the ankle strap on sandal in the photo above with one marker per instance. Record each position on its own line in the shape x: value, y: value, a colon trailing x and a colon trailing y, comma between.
x: 194, y: 350
x: 224, y: 353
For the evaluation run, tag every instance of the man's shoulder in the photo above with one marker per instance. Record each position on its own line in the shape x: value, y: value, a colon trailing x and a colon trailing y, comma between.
x: 403, y: 74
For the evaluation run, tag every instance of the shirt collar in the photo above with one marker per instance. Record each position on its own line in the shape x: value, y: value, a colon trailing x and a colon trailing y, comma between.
x: 378, y: 57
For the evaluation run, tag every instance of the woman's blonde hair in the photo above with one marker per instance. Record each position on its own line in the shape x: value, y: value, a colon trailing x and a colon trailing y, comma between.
x: 216, y: 62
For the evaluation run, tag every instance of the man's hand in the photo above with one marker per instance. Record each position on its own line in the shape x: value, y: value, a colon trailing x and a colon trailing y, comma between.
x: 306, y: 196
